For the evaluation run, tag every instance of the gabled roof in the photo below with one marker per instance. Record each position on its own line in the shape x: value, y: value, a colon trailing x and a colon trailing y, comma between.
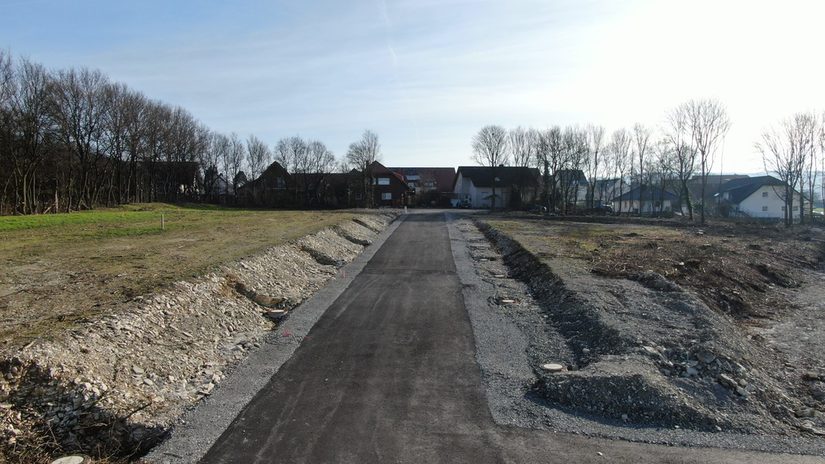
x: 570, y: 175
x: 740, y: 189
x: 713, y: 185
x: 482, y: 176
x: 647, y: 193
x: 378, y: 168
x: 273, y: 171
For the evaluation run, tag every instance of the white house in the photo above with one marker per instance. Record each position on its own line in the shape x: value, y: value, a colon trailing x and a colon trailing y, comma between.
x: 758, y: 197
x: 513, y: 185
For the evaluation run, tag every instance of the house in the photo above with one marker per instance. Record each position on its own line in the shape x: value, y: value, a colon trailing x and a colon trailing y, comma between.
x: 270, y: 189
x: 513, y: 186
x: 604, y: 190
x: 713, y: 184
x: 757, y: 197
x: 431, y: 186
x: 571, y: 187
x: 388, y: 188
x: 645, y: 199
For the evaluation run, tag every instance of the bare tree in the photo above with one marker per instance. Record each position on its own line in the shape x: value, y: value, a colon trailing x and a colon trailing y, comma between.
x: 641, y: 140
x: 786, y: 150
x: 709, y: 123
x: 258, y: 156
x: 679, y: 135
x: 595, y: 141
x: 664, y: 163
x: 620, y: 147
x: 319, y: 163
x: 574, y: 154
x: 79, y: 109
x: 553, y: 154
x: 7, y: 93
x: 30, y: 129
x: 811, y: 174
x: 490, y: 149
x: 361, y: 155
x: 237, y: 154
x: 522, y: 146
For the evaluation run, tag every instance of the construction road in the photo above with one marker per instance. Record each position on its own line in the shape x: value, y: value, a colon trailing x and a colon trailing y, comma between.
x: 388, y: 374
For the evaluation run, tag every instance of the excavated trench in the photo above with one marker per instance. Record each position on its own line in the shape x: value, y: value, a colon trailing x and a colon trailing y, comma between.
x: 114, y: 386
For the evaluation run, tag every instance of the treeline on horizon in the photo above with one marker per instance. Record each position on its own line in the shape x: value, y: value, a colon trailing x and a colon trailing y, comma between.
x: 72, y: 139
x: 684, y: 149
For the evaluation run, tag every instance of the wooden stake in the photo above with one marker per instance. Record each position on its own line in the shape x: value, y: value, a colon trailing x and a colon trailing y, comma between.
x: 162, y: 221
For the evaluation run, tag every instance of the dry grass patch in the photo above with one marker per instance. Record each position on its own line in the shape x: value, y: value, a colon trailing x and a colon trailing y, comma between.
x: 59, y: 270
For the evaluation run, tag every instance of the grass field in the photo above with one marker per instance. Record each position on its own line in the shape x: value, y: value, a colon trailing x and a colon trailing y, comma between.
x: 57, y: 270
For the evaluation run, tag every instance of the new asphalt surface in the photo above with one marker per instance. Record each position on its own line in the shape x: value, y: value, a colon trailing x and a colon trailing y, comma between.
x: 388, y: 374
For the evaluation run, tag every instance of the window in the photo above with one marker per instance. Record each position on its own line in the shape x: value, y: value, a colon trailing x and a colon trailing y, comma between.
x: 783, y: 208
x: 764, y: 194
x: 383, y: 181
x: 386, y: 196
x: 280, y: 183
x: 765, y: 208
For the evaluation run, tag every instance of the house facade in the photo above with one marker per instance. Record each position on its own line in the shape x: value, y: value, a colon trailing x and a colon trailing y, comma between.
x: 514, y: 186
x: 389, y: 188
x: 756, y: 197
x: 429, y: 186
x: 270, y: 189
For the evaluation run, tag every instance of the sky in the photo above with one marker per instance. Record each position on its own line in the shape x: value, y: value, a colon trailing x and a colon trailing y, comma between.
x: 425, y: 75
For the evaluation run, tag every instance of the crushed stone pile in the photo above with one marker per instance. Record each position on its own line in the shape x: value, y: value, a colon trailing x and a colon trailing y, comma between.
x: 114, y: 386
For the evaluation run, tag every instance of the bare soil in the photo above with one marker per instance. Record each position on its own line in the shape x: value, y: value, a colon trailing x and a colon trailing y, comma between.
x: 711, y: 329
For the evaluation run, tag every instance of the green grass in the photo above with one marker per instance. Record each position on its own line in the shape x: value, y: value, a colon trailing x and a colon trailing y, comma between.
x: 56, y: 270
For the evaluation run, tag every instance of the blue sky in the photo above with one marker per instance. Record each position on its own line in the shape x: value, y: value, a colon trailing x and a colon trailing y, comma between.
x: 426, y: 74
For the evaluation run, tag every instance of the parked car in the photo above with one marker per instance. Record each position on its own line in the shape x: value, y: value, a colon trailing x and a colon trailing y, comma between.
x: 464, y: 204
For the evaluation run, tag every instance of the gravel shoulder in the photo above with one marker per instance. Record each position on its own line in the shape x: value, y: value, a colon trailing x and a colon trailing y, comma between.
x: 516, y: 333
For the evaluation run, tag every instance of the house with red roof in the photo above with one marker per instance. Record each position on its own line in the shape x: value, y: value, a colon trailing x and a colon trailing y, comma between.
x: 430, y: 186
x: 389, y: 188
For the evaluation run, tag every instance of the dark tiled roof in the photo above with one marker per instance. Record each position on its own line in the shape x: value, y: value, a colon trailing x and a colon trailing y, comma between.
x: 570, y: 175
x: 633, y: 194
x: 482, y: 176
x: 739, y: 189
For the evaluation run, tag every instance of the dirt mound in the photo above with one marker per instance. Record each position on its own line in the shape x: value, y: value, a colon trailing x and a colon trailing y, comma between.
x: 114, y: 386
x: 628, y: 388
x: 644, y: 350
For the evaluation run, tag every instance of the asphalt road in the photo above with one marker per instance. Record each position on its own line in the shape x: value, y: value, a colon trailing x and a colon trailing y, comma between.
x: 388, y: 374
